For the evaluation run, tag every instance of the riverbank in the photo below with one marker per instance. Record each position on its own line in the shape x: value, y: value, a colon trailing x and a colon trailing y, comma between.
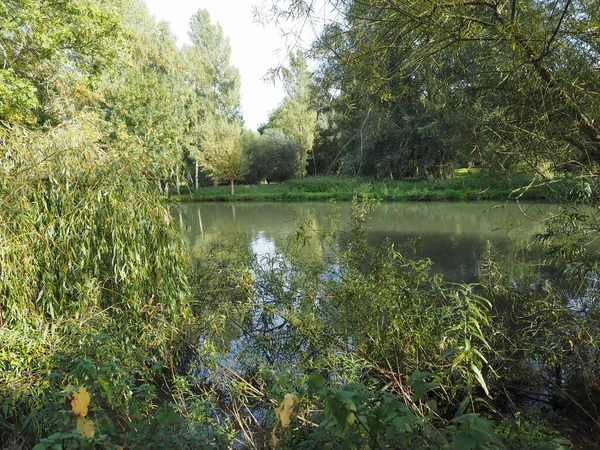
x: 466, y: 186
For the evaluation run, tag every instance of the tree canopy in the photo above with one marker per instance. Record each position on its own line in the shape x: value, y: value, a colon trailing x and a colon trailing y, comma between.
x: 222, y: 156
x: 296, y: 116
x: 506, y: 82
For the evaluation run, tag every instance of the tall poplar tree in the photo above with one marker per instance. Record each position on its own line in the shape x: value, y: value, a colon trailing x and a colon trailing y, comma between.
x: 145, y: 93
x: 214, y: 81
x: 296, y: 117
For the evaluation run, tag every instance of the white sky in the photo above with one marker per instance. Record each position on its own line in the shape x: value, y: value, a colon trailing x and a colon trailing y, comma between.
x: 254, y: 48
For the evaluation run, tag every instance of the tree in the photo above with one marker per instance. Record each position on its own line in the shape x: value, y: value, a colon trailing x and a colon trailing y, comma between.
x: 296, y: 117
x: 52, y: 55
x: 214, y: 81
x: 515, y: 81
x: 259, y: 163
x: 271, y: 156
x: 145, y: 94
x: 77, y: 142
x: 222, y: 156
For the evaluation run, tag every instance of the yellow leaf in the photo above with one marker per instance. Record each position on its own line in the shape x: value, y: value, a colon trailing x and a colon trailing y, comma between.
x: 85, y: 427
x: 285, y: 410
x: 274, y: 439
x: 80, y: 402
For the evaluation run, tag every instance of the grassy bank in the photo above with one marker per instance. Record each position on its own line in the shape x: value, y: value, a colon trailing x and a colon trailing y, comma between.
x: 466, y: 186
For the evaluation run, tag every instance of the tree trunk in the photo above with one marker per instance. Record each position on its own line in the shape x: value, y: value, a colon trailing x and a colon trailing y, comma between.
x: 196, y: 179
x: 232, y: 188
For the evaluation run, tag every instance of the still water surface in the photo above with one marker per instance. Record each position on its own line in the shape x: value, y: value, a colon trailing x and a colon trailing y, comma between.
x: 452, y: 235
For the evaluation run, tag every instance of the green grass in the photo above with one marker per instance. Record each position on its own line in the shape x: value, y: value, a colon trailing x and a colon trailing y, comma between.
x: 475, y: 185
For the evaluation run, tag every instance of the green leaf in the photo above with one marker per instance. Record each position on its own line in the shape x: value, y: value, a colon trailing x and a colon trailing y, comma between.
x: 338, y: 411
x: 464, y: 441
x: 403, y: 424
x: 315, y: 383
x: 462, y: 406
x: 432, y: 404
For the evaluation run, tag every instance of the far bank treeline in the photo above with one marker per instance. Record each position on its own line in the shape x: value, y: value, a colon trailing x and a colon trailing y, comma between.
x: 398, y: 90
x: 112, y: 63
x: 416, y: 89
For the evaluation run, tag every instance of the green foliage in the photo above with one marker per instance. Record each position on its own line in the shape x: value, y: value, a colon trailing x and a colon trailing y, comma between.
x: 398, y: 105
x: 222, y: 157
x: 93, y: 293
x: 216, y: 82
x: 124, y: 382
x: 362, y: 348
x: 145, y: 92
x: 334, y: 347
x: 18, y: 97
x: 296, y: 117
x: 272, y: 156
x: 97, y: 107
x: 353, y: 416
x: 214, y: 87
x: 370, y: 320
x: 521, y: 432
x: 52, y: 55
x: 470, y: 187
x: 552, y: 313
x: 74, y: 240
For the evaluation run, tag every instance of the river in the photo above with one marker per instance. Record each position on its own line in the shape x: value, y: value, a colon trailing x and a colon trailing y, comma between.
x: 452, y: 235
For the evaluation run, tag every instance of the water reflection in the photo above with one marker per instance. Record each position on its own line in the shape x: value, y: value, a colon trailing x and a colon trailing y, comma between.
x: 262, y: 246
x: 452, y: 235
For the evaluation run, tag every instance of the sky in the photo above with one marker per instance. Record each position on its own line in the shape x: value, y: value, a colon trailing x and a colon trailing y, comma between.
x: 254, y: 48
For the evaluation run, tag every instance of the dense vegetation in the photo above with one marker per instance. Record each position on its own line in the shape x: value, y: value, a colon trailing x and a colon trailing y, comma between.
x: 471, y: 185
x: 96, y: 108
x: 113, y: 335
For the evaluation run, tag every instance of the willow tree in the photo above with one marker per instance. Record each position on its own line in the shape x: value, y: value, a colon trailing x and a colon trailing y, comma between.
x: 520, y: 74
x: 88, y: 280
x: 222, y: 156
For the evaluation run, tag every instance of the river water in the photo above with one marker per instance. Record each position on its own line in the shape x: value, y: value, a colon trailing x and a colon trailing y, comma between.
x: 452, y: 235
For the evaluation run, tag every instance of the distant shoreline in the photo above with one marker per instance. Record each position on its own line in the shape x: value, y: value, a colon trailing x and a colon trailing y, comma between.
x: 465, y: 186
